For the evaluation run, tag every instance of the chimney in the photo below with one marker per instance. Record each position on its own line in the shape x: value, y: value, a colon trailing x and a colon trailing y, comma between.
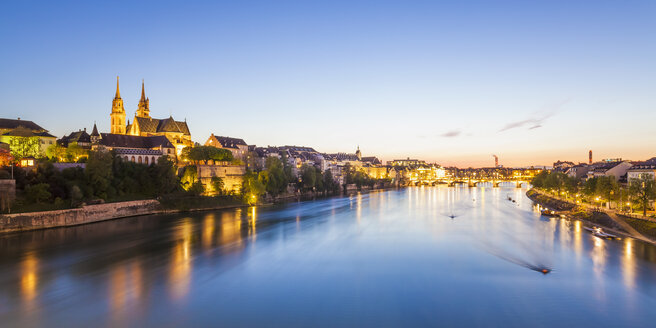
x: 590, y: 157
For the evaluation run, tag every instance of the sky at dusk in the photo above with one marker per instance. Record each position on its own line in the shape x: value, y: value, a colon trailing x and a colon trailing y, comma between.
x: 449, y: 82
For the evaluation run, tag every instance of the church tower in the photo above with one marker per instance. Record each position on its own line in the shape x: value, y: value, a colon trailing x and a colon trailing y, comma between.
x: 144, y: 104
x: 118, y: 113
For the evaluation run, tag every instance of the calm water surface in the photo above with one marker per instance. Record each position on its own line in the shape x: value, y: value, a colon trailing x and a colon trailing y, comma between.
x: 393, y: 258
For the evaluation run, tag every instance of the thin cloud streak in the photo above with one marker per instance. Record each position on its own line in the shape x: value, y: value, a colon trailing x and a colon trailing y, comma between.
x: 536, y: 121
x: 451, y: 134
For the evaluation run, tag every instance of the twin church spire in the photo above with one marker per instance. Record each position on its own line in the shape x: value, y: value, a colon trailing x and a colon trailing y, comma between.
x: 118, y: 124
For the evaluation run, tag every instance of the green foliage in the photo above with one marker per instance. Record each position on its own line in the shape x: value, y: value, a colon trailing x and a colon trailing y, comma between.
x: 308, y: 177
x: 24, y: 146
x: 196, y: 188
x: 38, y: 193
x: 217, y: 185
x: 556, y: 181
x: 74, y: 153
x: 99, y: 173
x: 202, y: 154
x: 253, y: 186
x: 642, y: 191
x: 539, y: 180
x: 165, y: 176
x: 277, y: 179
x: 189, y: 176
x: 607, y: 188
x: 329, y: 183
x: 56, y: 151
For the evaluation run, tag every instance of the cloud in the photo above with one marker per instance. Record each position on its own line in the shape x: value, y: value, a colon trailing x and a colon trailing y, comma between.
x: 537, y: 119
x: 451, y: 134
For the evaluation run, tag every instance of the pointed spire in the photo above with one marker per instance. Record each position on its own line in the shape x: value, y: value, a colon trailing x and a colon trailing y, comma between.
x: 118, y: 93
x: 95, y: 130
x: 143, y: 92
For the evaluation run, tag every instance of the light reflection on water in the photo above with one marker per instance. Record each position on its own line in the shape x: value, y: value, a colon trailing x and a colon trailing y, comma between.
x: 418, y: 256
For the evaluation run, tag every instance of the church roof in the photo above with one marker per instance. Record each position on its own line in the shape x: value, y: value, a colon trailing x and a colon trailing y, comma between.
x: 127, y: 141
x: 153, y: 125
x: 95, y: 133
x: 372, y: 160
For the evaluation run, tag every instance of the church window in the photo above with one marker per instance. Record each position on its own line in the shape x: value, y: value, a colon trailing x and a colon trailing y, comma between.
x: 139, y: 159
x: 146, y: 161
x: 133, y: 159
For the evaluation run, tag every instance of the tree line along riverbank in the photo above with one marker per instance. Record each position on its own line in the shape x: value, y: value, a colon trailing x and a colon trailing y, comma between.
x: 629, y: 226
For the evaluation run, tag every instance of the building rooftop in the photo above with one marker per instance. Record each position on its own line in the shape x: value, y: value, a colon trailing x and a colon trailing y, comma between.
x: 126, y: 141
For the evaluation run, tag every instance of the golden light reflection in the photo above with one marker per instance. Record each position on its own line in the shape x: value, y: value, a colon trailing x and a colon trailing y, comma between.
x: 230, y: 229
x: 578, y: 242
x: 117, y: 291
x: 29, y: 278
x: 180, y: 272
x: 358, y: 208
x: 629, y: 264
x: 125, y: 290
x: 252, y: 223
x: 598, y: 255
x: 208, y: 231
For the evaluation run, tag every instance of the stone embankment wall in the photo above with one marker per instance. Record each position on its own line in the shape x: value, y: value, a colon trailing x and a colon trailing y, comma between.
x: 75, y: 216
x: 231, y: 174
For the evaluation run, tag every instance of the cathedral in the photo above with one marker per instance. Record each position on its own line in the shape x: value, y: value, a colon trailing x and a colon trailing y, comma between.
x: 177, y: 132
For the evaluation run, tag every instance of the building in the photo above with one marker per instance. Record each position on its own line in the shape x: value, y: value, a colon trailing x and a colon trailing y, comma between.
x: 177, y: 132
x: 80, y: 138
x: 562, y: 166
x: 578, y: 171
x: 641, y: 169
x: 25, y: 137
x: 138, y: 149
x: 616, y: 169
x: 236, y: 146
x: 406, y: 162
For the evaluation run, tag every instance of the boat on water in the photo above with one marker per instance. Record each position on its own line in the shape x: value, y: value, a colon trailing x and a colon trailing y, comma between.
x: 598, y: 232
x: 548, y: 212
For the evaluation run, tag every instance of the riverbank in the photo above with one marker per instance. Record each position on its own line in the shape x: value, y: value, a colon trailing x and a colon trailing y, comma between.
x: 110, y: 211
x: 629, y: 227
x: 95, y: 213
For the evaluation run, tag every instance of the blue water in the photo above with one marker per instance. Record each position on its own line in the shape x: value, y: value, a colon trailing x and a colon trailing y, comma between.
x: 386, y: 259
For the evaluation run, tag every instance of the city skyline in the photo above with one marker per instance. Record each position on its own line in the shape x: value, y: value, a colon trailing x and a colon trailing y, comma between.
x: 444, y: 83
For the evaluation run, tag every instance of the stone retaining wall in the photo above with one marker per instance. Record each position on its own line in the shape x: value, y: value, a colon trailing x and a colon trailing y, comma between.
x: 75, y: 216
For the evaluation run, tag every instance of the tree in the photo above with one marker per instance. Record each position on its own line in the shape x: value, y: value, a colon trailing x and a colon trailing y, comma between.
x: 99, y: 173
x: 75, y: 152
x: 189, y: 176
x: 538, y: 181
x: 606, y: 188
x: 38, y: 193
x: 56, y: 151
x: 643, y: 190
x: 252, y: 187
x: 24, y: 146
x: 165, y: 176
x: 277, y: 180
x: 217, y: 185
x: 202, y: 154
x: 308, y: 177
x: 329, y: 183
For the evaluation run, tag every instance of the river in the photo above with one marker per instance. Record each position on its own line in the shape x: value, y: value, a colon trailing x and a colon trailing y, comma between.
x: 424, y: 256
